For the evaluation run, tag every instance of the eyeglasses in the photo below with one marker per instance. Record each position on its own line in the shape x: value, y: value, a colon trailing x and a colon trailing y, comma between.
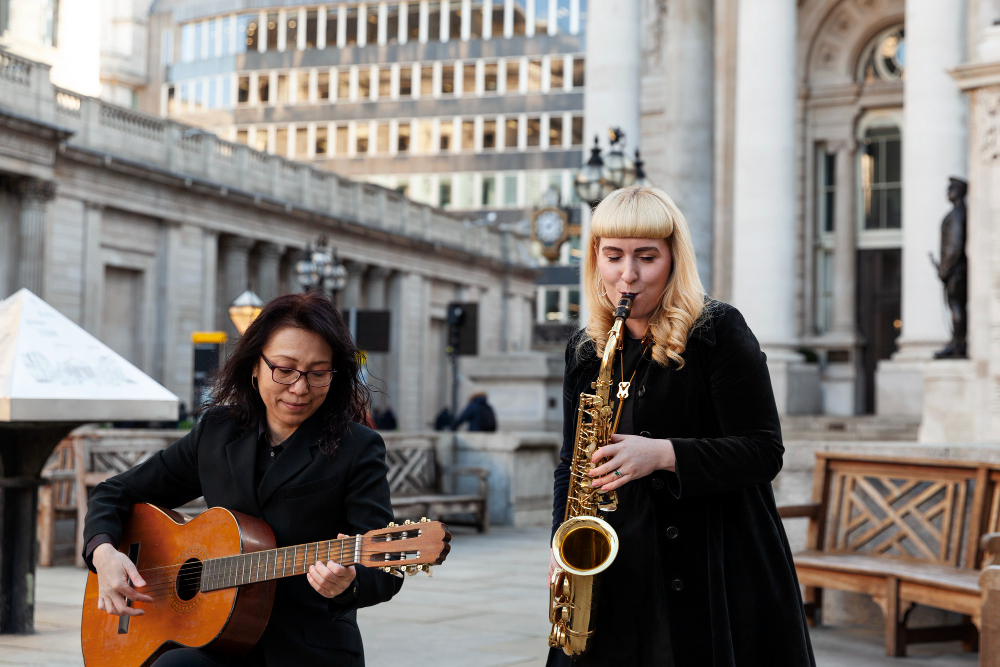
x: 285, y: 375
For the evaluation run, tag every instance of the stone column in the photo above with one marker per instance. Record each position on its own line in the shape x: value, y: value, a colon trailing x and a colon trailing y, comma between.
x: 35, y: 196
x: 269, y: 270
x: 376, y: 283
x: 210, y: 279
x: 351, y: 296
x: 408, y: 339
x: 289, y: 271
x: 235, y: 255
x: 844, y: 316
x: 375, y: 287
x: 764, y: 195
x: 611, y: 96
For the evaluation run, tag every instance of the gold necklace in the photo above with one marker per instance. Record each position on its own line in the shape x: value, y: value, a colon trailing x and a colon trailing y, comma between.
x: 623, y: 386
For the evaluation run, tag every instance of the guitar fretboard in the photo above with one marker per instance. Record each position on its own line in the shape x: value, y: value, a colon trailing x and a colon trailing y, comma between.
x: 257, y: 566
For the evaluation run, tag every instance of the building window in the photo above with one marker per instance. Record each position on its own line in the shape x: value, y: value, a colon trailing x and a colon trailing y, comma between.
x: 243, y: 90
x: 532, y: 188
x: 425, y: 136
x: 302, y: 86
x: 343, y: 84
x: 489, y: 135
x: 341, y: 140
x: 281, y: 142
x: 826, y: 169
x: 413, y: 21
x: 541, y: 17
x: 246, y: 32
x: 489, y: 191
x: 534, y: 75
x: 364, y: 83
x: 212, y: 38
x: 426, y: 80
x: 476, y: 20
x: 272, y: 32
x: 405, y: 79
x: 581, y: 29
x: 520, y: 16
x: 469, y: 78
x: 323, y: 85
x: 577, y: 134
x: 455, y: 21
x: 171, y: 101
x: 510, y: 190
x: 241, y: 137
x: 384, y: 83
x: 497, y: 20
x: 433, y: 21
x: 352, y: 26
x: 301, y: 142
x: 361, y: 138
x: 282, y: 88
x: 555, y: 131
x: 884, y: 57
x: 534, y: 132
x: 382, y: 138
x: 291, y: 31
x: 562, y: 16
x: 510, y: 140
x: 468, y: 135
x: 331, y: 27
x: 319, y: 146
x: 556, y: 73
x: 260, y: 140
x: 392, y: 24
x: 882, y: 191
x: 263, y: 88
x: 578, y: 71
x: 403, y: 138
x: 444, y: 145
x: 444, y: 193
x: 187, y: 43
x: 371, y: 35
x: 553, y: 310
x: 513, y: 76
x: 312, y: 28
x: 490, y: 78
x: 447, y: 79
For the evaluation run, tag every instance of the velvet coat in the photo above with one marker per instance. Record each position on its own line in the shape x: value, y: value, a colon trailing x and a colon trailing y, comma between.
x: 304, y: 496
x: 734, y: 598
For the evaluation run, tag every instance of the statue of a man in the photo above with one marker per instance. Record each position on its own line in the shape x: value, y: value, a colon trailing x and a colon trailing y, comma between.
x: 953, y: 269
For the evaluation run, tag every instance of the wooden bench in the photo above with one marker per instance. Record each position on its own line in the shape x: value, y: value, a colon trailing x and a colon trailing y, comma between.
x: 418, y: 485
x: 903, y: 532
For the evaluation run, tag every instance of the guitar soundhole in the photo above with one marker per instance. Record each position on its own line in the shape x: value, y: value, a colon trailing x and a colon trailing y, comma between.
x: 189, y: 579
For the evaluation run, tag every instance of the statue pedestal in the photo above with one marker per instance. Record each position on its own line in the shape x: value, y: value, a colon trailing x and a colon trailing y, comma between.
x: 950, y: 402
x: 796, y: 383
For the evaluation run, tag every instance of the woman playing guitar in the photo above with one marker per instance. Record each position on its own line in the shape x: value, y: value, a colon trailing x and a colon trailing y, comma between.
x: 281, y: 442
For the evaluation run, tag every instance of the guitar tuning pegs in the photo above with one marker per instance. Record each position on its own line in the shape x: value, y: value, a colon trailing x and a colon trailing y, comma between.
x: 394, y: 571
x: 412, y: 570
x: 423, y: 519
x: 427, y: 568
x: 392, y: 524
x: 407, y: 522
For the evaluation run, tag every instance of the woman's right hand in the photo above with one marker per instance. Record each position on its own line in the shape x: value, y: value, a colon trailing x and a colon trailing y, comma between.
x: 114, y: 570
x: 552, y: 564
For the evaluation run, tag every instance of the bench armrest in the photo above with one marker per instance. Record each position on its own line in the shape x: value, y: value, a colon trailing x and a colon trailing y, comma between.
x: 808, y: 511
x: 482, y: 473
x: 990, y: 542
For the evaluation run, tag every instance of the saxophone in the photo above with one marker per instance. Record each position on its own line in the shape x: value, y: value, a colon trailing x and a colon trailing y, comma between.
x: 585, y: 544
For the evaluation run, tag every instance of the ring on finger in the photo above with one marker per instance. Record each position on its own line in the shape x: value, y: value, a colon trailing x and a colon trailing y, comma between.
x: 618, y: 472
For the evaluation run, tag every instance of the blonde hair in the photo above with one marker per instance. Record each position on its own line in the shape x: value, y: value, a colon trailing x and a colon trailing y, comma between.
x: 641, y: 211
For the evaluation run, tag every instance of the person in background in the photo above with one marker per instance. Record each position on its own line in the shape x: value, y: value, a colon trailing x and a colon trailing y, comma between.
x: 478, y: 413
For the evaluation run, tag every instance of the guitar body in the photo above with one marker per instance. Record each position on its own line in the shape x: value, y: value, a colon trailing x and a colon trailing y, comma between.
x: 230, y: 620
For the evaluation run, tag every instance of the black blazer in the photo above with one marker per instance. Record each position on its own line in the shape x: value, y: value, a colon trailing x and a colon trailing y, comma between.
x: 733, y: 595
x: 304, y: 497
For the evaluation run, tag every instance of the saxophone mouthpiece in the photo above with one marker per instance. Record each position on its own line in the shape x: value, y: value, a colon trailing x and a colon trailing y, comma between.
x: 625, y: 305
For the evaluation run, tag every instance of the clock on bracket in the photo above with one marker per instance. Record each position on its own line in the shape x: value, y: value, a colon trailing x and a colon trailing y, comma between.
x: 549, y: 227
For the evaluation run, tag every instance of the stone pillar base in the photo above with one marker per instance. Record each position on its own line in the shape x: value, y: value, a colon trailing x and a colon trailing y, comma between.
x: 839, y: 389
x: 796, y: 384
x: 950, y: 401
x: 899, y: 387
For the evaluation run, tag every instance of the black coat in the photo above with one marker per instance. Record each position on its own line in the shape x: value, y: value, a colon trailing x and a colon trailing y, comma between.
x: 733, y: 597
x: 304, y: 497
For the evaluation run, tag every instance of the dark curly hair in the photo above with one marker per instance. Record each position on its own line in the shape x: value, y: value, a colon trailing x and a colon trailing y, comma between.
x: 348, y: 398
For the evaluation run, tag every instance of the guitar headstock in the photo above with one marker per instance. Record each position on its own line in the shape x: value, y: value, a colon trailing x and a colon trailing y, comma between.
x: 410, y: 547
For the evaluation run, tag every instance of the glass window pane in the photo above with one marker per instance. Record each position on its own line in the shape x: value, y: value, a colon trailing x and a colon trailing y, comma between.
x: 196, y: 50
x: 455, y: 21
x: 444, y: 193
x: 187, y: 42
x: 510, y: 190
x: 447, y: 79
x: 552, y: 311
x: 893, y: 161
x: 445, y: 136
x: 246, y: 33
x: 372, y: 20
x: 263, y: 88
x: 291, y: 30
x: 433, y: 21
x: 476, y: 21
x: 562, y: 16
x: 469, y: 78
x: 364, y: 83
x: 382, y: 145
x: 352, y: 25
x: 301, y: 142
x: 490, y: 78
x: 243, y: 90
x: 171, y: 100
x: 541, y: 17
x: 282, y: 87
x: 574, y: 304
x: 468, y: 135
x: 403, y: 138
x: 272, y: 31
x: 321, y: 138
x: 583, y: 17
x: 489, y: 191
x: 323, y: 85
x: 413, y: 21
x: 578, y: 70
x: 384, y: 82
x: 489, y: 135
x: 510, y: 141
x: 426, y: 80
x: 342, y: 140
x: 577, y: 134
x: 828, y: 204
x: 392, y: 24
x: 520, y: 16
x: 534, y: 132
x: 425, y: 136
x: 260, y: 143
x: 213, y: 37
x: 241, y: 137
x: 534, y: 74
x: 874, y: 206
x: 312, y: 25
x: 555, y: 131
x: 281, y: 142
x: 405, y: 78
x: 894, y: 208
x: 556, y: 73
x: 302, y: 84
x: 532, y: 188
x: 331, y: 27
x: 497, y: 27
x: 465, y: 197
x: 343, y: 84
x: 361, y: 139
x: 513, y: 70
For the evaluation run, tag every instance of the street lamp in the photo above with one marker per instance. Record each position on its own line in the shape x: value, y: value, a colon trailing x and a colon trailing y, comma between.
x: 592, y: 180
x: 621, y: 170
x: 640, y: 173
x: 321, y: 269
x: 244, y: 310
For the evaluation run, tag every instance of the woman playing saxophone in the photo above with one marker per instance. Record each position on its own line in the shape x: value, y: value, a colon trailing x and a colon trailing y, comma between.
x: 703, y: 575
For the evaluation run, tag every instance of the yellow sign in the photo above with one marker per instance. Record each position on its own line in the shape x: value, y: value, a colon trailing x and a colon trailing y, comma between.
x: 208, y: 336
x: 362, y: 358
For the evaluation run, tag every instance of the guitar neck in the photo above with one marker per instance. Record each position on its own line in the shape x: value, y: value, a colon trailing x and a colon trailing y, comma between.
x: 249, y: 568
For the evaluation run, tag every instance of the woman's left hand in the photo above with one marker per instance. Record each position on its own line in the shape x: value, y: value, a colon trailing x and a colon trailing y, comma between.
x: 330, y: 579
x: 633, y: 457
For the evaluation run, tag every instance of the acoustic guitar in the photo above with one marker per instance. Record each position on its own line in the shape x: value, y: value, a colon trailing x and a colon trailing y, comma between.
x: 212, y: 579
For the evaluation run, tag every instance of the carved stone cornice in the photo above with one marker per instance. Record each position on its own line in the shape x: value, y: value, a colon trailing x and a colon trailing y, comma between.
x: 34, y: 191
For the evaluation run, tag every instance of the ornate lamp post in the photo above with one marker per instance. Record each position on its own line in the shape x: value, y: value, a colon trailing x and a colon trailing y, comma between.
x: 621, y: 169
x: 592, y: 181
x: 321, y: 269
x: 244, y: 310
x: 640, y: 173
x: 599, y: 177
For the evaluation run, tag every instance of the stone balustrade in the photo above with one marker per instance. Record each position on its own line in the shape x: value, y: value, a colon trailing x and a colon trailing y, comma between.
x: 126, y: 134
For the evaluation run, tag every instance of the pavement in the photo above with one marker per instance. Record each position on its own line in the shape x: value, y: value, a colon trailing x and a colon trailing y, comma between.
x: 485, y: 606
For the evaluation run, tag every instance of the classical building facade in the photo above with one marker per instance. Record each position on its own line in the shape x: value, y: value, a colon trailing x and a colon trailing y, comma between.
x: 810, y: 145
x: 143, y: 231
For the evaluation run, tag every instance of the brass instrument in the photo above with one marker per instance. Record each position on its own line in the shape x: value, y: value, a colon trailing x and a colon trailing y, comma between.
x: 585, y: 544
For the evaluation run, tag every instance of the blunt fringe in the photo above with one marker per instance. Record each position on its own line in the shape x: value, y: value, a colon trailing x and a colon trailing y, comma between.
x: 348, y: 398
x: 641, y: 211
